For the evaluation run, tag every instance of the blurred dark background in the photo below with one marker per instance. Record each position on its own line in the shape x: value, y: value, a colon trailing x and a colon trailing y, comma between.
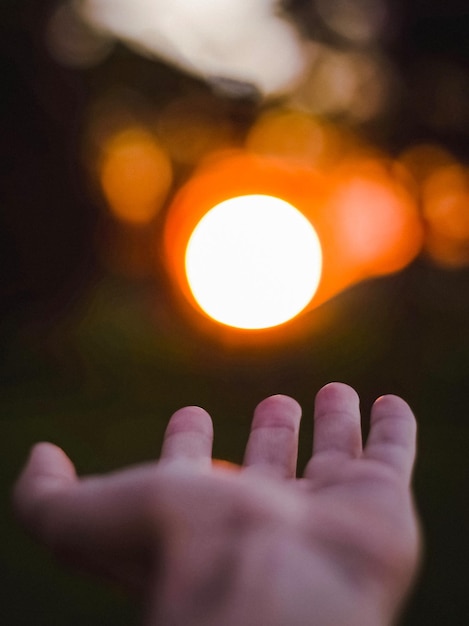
x: 95, y: 354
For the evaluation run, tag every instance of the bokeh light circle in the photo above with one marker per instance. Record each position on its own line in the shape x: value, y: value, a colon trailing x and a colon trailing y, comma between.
x: 253, y: 262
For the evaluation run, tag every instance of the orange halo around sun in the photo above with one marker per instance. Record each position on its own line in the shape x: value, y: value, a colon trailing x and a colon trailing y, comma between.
x: 135, y: 174
x: 365, y: 219
x: 230, y: 176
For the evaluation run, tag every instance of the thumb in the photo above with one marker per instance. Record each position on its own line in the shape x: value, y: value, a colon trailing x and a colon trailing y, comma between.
x: 48, y: 470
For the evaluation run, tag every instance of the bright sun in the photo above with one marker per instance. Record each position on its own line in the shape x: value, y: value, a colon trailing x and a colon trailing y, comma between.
x: 253, y: 262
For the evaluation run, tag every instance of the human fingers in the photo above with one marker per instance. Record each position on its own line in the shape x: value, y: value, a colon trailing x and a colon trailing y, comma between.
x: 273, y: 441
x: 337, y: 429
x: 189, y: 436
x: 392, y: 438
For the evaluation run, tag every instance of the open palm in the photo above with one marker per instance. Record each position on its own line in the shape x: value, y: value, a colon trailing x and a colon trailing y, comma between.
x: 207, y: 543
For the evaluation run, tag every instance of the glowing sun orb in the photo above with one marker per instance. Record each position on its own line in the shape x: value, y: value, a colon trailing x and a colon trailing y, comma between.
x: 253, y: 262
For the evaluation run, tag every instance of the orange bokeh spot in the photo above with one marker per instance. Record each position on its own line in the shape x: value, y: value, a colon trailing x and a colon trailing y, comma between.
x: 445, y: 199
x: 135, y: 174
x: 294, y: 135
x: 377, y: 221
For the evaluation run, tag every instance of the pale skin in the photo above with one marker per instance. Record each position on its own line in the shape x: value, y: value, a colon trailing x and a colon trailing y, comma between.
x: 210, y: 544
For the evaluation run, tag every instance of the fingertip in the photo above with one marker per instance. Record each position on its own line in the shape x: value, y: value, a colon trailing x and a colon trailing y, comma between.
x: 392, y: 406
x: 193, y: 410
x: 190, y: 418
x: 337, y: 392
x: 47, y: 469
x: 277, y: 404
x: 48, y: 460
x: 273, y: 441
x: 392, y: 438
x: 393, y: 402
x: 188, y: 436
x: 337, y: 429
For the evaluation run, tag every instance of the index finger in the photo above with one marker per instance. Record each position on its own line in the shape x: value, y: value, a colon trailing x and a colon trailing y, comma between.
x: 189, y: 436
x: 273, y: 441
x: 393, y: 433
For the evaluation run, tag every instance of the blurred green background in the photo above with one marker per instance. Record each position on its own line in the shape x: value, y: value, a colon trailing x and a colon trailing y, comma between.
x: 96, y: 360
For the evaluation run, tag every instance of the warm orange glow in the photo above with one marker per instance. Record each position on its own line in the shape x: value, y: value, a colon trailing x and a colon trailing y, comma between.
x: 442, y: 185
x: 377, y: 219
x: 445, y: 198
x: 135, y: 175
x: 366, y: 220
x: 253, y: 262
x: 293, y: 135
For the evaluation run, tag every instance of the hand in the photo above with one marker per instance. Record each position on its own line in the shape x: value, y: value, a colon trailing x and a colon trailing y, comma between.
x: 211, y: 544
